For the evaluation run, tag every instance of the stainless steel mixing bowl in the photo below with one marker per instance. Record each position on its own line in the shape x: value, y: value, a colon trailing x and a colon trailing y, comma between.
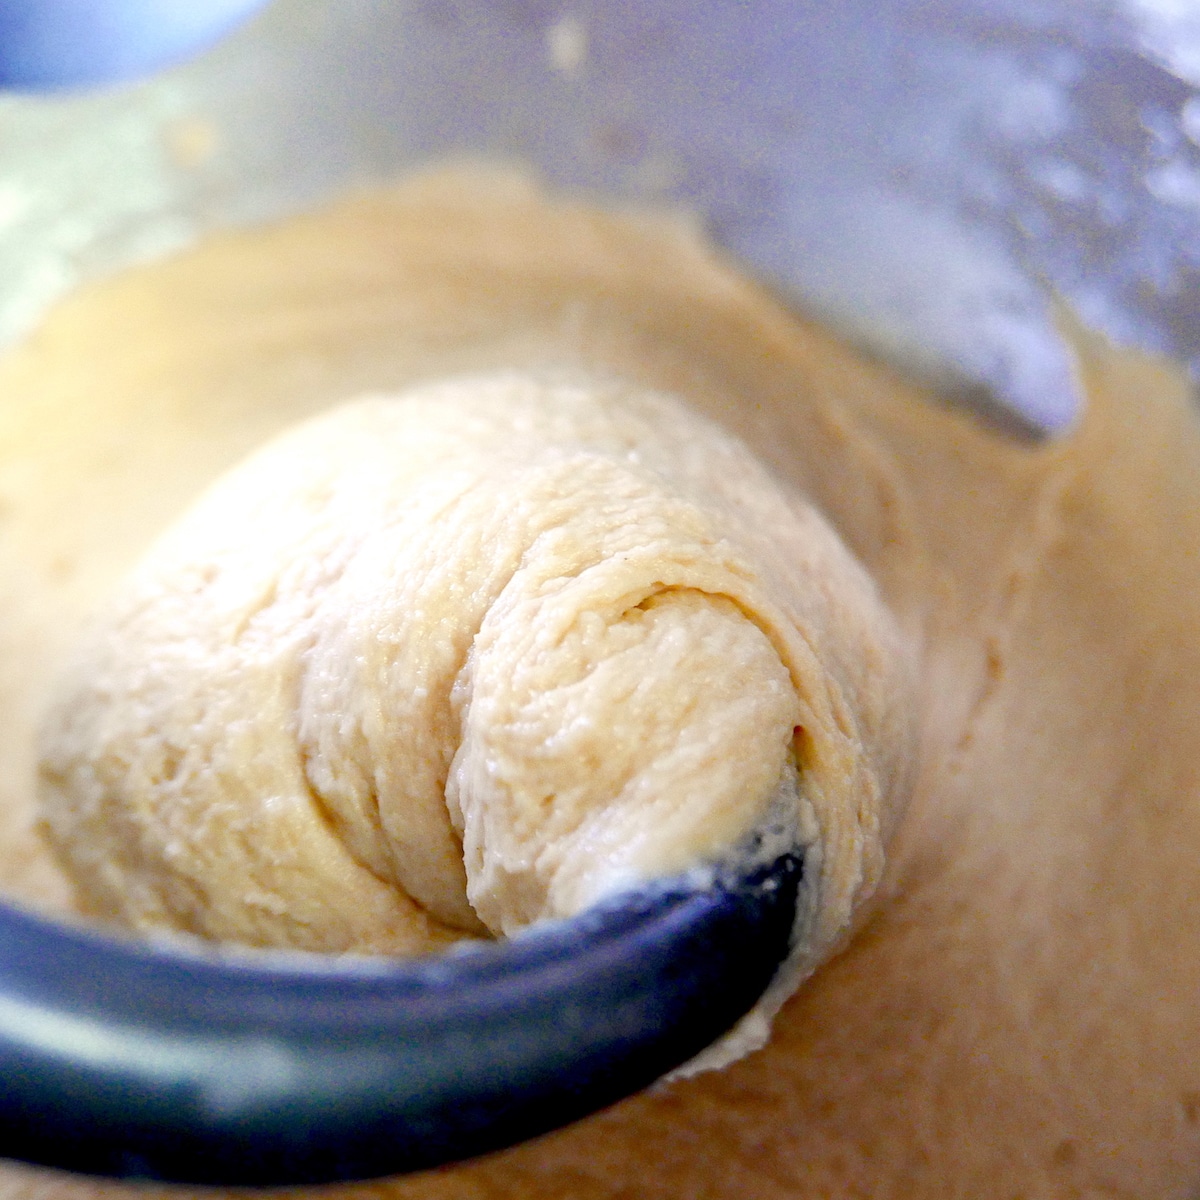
x: 925, y: 173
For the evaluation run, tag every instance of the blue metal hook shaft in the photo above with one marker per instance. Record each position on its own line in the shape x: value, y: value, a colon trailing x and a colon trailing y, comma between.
x: 126, y: 1059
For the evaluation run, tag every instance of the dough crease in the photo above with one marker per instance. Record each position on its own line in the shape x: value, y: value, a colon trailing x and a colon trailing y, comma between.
x: 455, y: 661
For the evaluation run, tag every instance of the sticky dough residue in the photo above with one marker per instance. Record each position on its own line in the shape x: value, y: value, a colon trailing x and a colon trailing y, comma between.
x: 452, y: 662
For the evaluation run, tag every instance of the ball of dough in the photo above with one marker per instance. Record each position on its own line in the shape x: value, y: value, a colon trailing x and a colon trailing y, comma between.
x: 448, y: 663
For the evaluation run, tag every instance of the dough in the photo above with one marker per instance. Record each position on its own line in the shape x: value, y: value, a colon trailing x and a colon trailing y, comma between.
x: 1017, y: 1015
x: 567, y: 632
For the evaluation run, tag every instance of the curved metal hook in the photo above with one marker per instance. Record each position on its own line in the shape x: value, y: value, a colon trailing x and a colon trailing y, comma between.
x: 133, y: 1060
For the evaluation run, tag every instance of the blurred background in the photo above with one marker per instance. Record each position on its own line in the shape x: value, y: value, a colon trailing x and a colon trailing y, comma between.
x: 924, y: 173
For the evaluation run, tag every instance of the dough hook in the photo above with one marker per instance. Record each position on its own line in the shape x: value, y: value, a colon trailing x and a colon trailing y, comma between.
x: 147, y: 1061
x: 144, y: 1061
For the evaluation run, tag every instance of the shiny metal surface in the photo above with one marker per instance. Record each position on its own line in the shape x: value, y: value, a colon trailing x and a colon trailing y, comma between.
x: 74, y: 43
x: 922, y: 173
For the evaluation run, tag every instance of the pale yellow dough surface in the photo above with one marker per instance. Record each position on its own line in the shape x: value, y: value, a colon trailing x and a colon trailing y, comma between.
x: 566, y: 633
x: 1017, y: 1013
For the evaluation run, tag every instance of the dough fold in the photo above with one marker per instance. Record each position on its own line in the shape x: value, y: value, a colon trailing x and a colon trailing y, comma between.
x: 447, y: 663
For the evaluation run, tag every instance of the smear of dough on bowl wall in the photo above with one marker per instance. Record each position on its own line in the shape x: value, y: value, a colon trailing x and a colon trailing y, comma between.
x: 446, y: 559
